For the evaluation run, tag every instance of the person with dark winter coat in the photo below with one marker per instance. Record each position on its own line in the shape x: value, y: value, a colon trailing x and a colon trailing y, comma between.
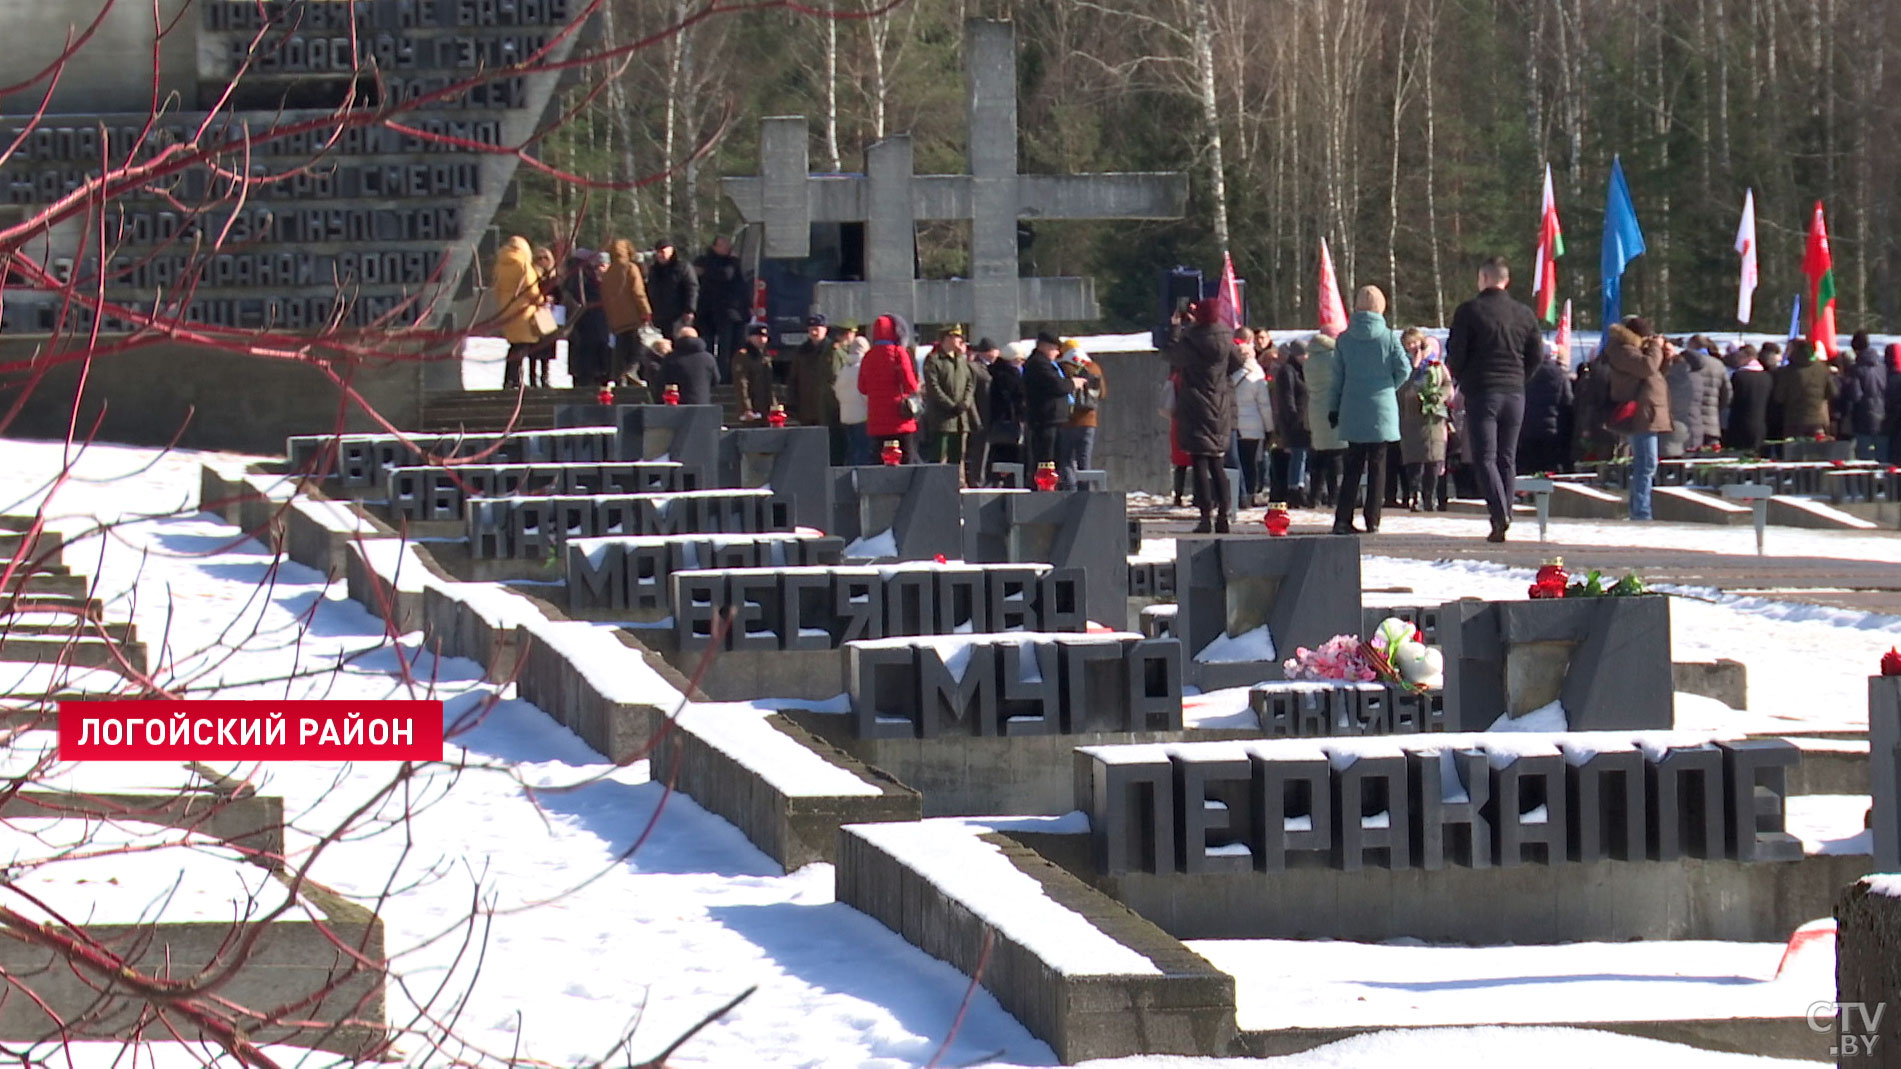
x: 1749, y: 389
x: 1047, y: 389
x: 1590, y: 399
x: 977, y: 450
x: 1713, y: 392
x: 1544, y: 441
x: 1804, y: 388
x: 1205, y: 359
x: 886, y: 377
x: 1288, y: 388
x: 1864, y: 402
x: 1493, y: 346
x: 1009, y: 405
x: 811, y: 374
x: 753, y: 385
x: 672, y: 289
x: 690, y: 367
x: 1639, y: 402
x: 587, y: 320
x: 1893, y: 405
x: 724, y: 303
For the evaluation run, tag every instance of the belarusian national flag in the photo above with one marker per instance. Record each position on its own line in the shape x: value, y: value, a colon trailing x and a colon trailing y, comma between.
x: 1820, y: 267
x: 1544, y: 277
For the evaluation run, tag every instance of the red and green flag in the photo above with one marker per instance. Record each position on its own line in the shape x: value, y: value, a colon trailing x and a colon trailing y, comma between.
x: 1820, y: 267
x: 1544, y: 277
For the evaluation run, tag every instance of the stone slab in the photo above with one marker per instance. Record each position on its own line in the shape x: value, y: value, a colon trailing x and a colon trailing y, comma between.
x: 792, y: 461
x: 1304, y: 589
x: 1063, y: 528
x: 915, y: 505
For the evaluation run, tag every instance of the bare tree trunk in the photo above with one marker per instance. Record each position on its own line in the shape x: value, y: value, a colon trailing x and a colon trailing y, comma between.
x: 1661, y: 119
x: 878, y: 29
x: 1211, y: 118
x: 1392, y: 176
x: 670, y: 138
x: 1722, y: 87
x: 831, y: 94
x: 690, y: 103
x: 1534, y: 90
x: 1432, y: 153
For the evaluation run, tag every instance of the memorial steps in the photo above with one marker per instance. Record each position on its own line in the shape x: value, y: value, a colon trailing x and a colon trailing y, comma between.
x: 50, y: 616
x: 489, y: 411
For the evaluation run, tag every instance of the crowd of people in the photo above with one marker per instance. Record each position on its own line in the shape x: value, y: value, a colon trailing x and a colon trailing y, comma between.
x: 1309, y: 422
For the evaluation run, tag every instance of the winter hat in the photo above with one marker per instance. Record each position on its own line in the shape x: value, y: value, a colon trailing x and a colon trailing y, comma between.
x: 984, y: 345
x: 815, y: 320
x: 1044, y: 337
x: 756, y: 327
x: 1205, y: 311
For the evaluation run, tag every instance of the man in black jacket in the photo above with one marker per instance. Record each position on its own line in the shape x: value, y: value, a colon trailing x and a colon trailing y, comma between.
x: 690, y: 367
x: 725, y: 299
x: 672, y: 289
x: 1047, y: 390
x: 1494, y: 344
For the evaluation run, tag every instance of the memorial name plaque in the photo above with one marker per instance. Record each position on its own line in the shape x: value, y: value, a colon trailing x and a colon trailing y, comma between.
x: 535, y: 528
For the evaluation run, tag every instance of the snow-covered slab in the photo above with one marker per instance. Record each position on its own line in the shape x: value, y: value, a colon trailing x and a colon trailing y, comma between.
x: 979, y: 877
x: 1285, y: 984
x: 618, y: 671
x: 106, y: 873
x: 1349, y: 749
x: 743, y: 733
x: 30, y: 757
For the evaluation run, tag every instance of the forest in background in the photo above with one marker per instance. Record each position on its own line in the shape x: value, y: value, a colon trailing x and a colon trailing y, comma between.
x: 1411, y: 134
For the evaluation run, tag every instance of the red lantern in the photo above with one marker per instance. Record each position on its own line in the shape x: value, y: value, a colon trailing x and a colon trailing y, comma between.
x: 1891, y: 662
x: 1277, y: 521
x: 776, y: 415
x: 1046, y: 475
x: 604, y: 395
x: 893, y: 454
x: 671, y: 395
x: 1551, y: 580
x: 939, y: 558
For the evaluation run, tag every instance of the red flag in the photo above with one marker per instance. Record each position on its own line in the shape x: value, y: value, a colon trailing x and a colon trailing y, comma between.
x: 1333, y: 310
x: 1544, y: 279
x: 1820, y: 267
x: 1228, y: 298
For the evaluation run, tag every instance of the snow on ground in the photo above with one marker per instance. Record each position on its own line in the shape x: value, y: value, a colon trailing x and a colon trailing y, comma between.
x: 585, y: 940
x: 1282, y: 983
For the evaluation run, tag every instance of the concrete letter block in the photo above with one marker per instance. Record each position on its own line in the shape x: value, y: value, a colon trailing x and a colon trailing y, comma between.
x: 1032, y: 688
x: 1528, y: 799
x: 957, y: 703
x: 1210, y: 812
x: 1373, y: 814
x: 1293, y: 811
x: 1132, y: 816
x: 1155, y: 685
x: 1757, y: 824
x: 1610, y: 810
x: 1687, y: 804
x: 883, y: 690
x: 1454, y: 788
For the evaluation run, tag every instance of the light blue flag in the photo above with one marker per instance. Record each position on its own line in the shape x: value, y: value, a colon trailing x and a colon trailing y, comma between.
x: 1623, y: 242
x: 1795, y: 319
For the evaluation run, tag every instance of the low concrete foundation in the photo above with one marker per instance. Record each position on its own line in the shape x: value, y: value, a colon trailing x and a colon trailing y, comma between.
x: 1187, y: 1009
x: 792, y: 829
x: 291, y: 964
x: 1769, y: 1037
x: 1605, y: 901
x: 972, y: 775
x: 1723, y: 679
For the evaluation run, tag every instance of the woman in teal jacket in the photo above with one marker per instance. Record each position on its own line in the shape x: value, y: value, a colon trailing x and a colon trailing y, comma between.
x: 1363, y: 404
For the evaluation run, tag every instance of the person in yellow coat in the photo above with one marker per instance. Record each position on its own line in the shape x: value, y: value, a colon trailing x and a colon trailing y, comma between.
x: 517, y: 288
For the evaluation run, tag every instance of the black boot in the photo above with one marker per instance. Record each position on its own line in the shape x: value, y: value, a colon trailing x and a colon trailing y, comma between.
x: 1204, y: 527
x: 1221, y: 524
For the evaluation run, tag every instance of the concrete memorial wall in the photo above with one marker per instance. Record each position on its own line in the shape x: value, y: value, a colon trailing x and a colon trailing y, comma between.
x: 1606, y: 660
x: 1473, y: 801
x: 1069, y: 529
x: 535, y: 528
x: 442, y: 493
x: 824, y: 608
x: 1245, y: 604
x: 906, y: 513
x: 1014, y: 684
x: 794, y: 461
x: 631, y: 578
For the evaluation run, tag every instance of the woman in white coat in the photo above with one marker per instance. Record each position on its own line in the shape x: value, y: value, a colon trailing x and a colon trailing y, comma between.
x: 852, y: 405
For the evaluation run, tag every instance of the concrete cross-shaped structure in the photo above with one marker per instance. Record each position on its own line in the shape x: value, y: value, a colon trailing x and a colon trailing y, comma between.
x: 890, y: 199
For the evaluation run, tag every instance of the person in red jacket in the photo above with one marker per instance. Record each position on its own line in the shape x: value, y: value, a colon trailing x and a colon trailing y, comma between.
x: 886, y: 377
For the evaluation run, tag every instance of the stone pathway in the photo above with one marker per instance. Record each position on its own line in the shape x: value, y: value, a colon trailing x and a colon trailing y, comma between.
x: 1865, y: 585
